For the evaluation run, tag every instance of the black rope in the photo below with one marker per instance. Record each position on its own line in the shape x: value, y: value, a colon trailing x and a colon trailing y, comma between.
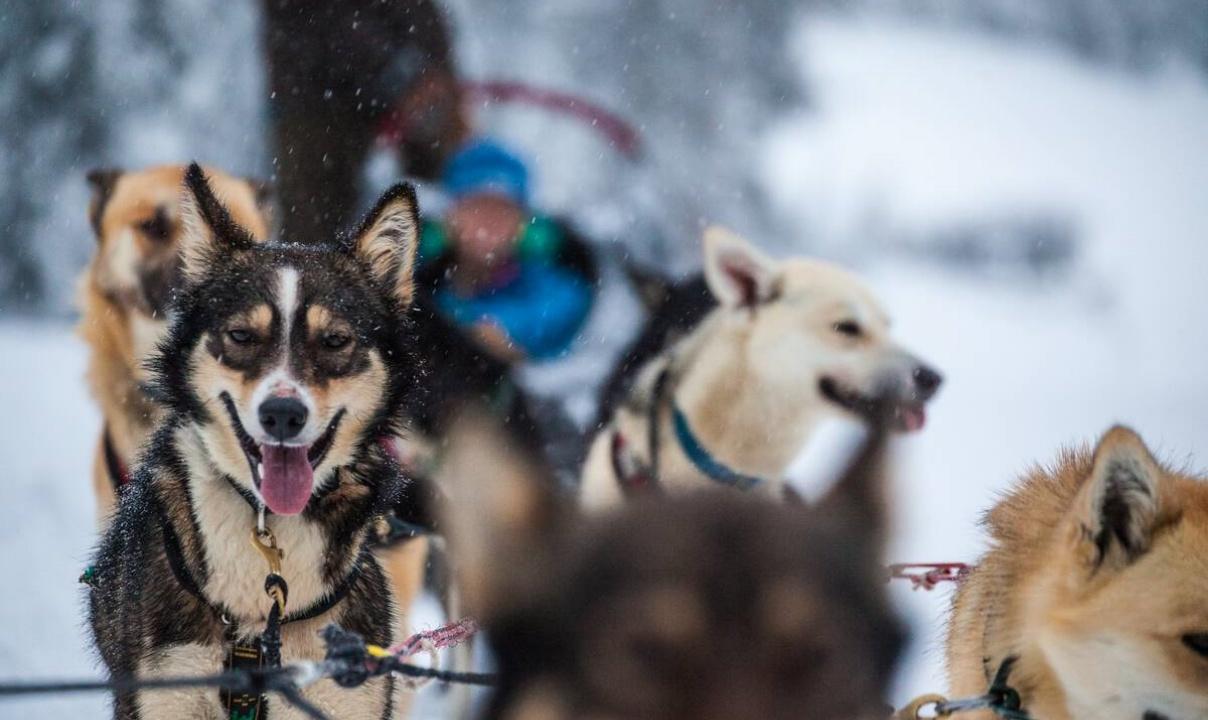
x: 348, y: 662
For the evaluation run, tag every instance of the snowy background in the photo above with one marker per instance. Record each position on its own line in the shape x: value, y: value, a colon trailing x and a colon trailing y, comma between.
x: 1022, y: 183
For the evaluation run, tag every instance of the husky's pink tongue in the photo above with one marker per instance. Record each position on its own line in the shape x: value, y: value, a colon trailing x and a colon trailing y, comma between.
x: 911, y: 419
x: 286, y: 478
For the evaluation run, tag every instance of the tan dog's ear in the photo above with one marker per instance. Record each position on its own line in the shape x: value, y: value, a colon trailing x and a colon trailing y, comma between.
x: 266, y: 202
x: 501, y: 513
x: 388, y: 239
x: 101, y: 181
x: 738, y: 274
x: 209, y: 231
x: 1116, y: 510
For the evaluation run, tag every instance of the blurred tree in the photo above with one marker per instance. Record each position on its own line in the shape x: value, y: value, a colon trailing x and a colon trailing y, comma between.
x: 48, y: 110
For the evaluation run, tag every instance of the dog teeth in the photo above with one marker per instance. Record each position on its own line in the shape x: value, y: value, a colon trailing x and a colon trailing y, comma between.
x: 260, y: 469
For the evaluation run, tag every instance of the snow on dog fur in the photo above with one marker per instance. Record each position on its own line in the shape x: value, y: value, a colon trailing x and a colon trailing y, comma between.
x: 284, y: 367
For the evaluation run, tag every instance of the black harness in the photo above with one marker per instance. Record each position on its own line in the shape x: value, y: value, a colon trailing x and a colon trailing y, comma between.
x: 266, y: 649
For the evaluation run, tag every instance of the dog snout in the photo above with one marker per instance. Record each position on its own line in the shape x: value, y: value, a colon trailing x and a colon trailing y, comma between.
x: 926, y: 380
x: 283, y: 417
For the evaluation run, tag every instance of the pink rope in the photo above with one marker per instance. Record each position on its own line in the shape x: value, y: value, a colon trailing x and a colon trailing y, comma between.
x: 925, y: 576
x: 446, y: 636
x: 612, y: 126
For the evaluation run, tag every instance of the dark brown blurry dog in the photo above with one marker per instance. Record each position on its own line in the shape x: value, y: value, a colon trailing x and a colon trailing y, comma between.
x: 697, y: 607
x: 123, y: 297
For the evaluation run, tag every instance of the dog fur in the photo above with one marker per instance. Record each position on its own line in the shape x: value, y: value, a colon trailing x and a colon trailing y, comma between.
x: 773, y: 348
x: 125, y: 290
x: 668, y: 608
x: 1096, y: 581
x: 320, y: 325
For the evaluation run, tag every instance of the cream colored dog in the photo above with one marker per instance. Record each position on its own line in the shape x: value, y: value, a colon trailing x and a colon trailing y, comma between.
x: 735, y: 398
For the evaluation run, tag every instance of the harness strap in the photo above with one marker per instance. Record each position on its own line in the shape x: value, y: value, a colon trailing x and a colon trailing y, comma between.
x: 119, y: 474
x: 186, y: 580
x: 635, y: 478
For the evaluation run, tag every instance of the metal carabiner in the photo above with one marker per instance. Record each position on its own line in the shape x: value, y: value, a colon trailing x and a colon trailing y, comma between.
x: 266, y: 543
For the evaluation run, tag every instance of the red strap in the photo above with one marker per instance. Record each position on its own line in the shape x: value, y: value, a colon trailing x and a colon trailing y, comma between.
x: 620, y: 133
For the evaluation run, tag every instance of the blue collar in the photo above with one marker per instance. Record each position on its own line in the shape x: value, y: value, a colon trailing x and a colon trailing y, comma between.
x: 705, y: 462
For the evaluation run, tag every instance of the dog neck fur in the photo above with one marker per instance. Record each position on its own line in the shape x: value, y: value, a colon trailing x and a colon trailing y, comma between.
x: 236, y: 568
x: 741, y: 422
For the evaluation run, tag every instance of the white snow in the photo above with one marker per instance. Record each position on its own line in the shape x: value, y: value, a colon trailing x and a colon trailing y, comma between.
x: 914, y: 129
x: 911, y: 130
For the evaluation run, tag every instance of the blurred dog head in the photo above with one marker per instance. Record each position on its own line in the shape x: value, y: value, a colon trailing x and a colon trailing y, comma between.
x: 811, y: 333
x: 136, y: 216
x: 699, y: 607
x: 289, y: 358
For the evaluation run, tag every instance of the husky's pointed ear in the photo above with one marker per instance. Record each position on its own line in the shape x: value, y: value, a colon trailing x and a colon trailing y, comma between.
x: 101, y: 182
x: 501, y: 514
x: 388, y: 239
x: 858, y: 499
x: 738, y: 274
x: 209, y: 231
x: 1116, y: 510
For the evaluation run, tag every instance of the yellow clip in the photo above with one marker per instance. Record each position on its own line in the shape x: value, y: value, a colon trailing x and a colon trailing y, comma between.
x: 266, y: 543
x: 914, y: 711
x: 377, y: 651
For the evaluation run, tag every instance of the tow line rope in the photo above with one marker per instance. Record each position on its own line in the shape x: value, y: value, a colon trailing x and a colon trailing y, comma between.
x: 349, y: 661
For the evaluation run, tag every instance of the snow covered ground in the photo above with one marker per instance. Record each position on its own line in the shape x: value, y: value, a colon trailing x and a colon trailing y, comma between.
x: 912, y: 131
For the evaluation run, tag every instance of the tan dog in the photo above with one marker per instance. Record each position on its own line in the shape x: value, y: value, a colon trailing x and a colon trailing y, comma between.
x: 777, y: 347
x: 1097, y: 583
x: 124, y: 294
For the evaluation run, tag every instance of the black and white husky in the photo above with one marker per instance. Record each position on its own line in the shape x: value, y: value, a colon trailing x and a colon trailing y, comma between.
x: 284, y: 367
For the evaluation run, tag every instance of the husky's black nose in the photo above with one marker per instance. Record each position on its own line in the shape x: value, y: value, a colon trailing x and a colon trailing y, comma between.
x: 927, y: 380
x: 282, y: 417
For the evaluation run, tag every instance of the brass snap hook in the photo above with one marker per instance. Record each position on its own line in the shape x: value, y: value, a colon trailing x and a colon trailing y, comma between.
x: 266, y: 543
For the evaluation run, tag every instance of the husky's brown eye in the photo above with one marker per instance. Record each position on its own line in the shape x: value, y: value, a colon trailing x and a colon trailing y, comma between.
x: 850, y: 328
x: 1197, y: 642
x: 336, y: 340
x: 240, y: 336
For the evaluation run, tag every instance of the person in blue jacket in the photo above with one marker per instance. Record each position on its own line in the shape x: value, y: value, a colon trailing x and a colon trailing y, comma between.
x: 519, y: 282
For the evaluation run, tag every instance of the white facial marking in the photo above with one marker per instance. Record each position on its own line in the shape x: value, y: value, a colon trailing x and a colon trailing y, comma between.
x: 287, y: 298
x: 279, y: 382
x: 124, y: 259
